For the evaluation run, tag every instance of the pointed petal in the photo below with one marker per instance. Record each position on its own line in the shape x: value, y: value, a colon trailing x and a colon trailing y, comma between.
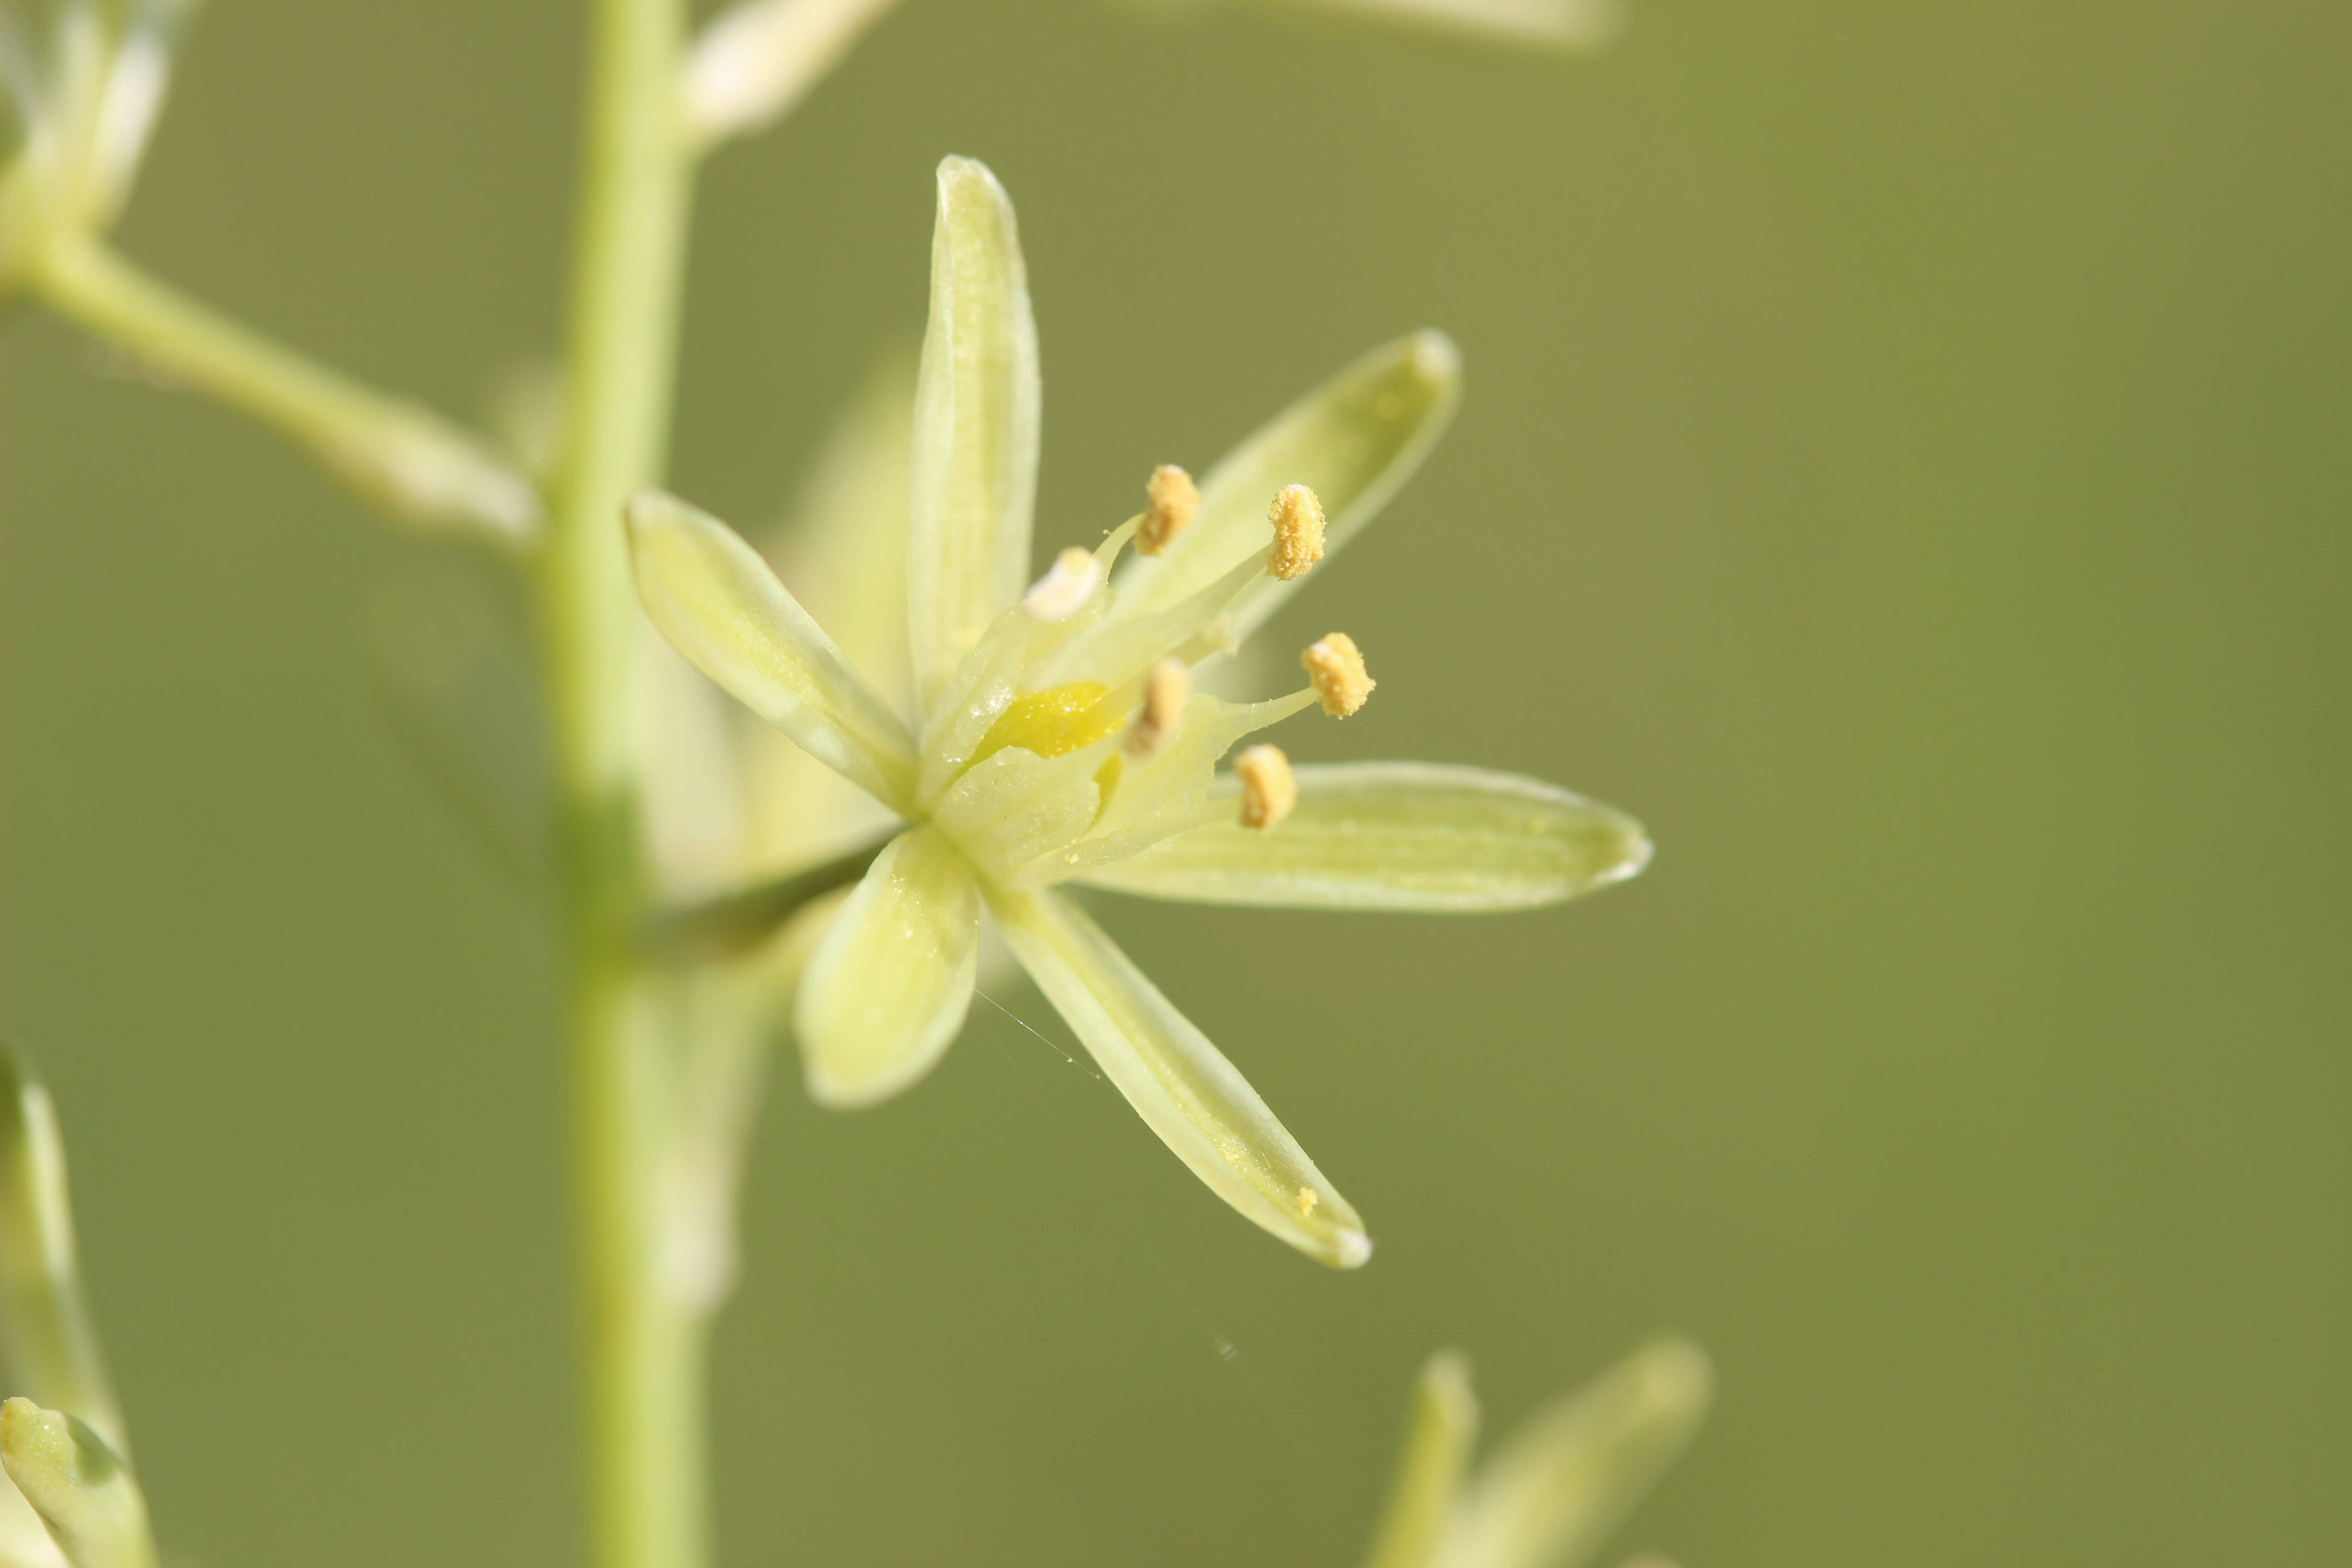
x: 1552, y: 1493
x: 755, y: 60
x: 1397, y: 836
x: 80, y: 1488
x: 1438, y: 1439
x: 845, y: 549
x: 1181, y: 1085
x: 887, y: 991
x: 976, y: 405
x: 843, y: 543
x: 1353, y: 440
x: 719, y: 605
x: 50, y: 1344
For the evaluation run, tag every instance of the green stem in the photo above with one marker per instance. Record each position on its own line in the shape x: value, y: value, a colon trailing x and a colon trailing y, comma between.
x: 642, y: 1348
x: 397, y: 452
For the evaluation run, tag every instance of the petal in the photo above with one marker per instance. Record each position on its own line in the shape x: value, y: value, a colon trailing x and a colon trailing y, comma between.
x: 719, y: 605
x: 53, y: 1352
x: 1553, y: 1492
x: 1438, y: 1439
x: 976, y: 403
x: 845, y: 551
x: 1354, y: 441
x: 1397, y: 836
x: 1540, y: 24
x: 1185, y: 1089
x: 80, y: 1487
x: 752, y: 62
x: 890, y: 985
x: 844, y: 546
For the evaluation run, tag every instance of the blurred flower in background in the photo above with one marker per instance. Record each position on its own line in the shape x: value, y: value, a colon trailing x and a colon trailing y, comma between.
x: 82, y: 84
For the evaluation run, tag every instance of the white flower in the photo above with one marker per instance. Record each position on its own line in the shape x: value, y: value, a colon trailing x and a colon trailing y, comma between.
x: 78, y: 98
x: 1059, y: 741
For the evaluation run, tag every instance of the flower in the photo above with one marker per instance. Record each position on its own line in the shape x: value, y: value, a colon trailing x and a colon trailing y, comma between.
x: 1559, y: 1486
x: 1061, y: 739
x: 78, y: 100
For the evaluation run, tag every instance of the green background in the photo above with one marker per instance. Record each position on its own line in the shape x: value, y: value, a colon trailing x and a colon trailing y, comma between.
x: 1905, y: 462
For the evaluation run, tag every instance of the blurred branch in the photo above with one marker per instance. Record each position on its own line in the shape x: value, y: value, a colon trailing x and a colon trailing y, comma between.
x: 399, y: 454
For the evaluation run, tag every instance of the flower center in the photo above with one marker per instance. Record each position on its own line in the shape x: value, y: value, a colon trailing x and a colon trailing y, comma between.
x: 1051, y: 722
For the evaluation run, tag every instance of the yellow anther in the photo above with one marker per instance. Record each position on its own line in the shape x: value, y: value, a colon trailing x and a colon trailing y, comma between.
x: 1170, y: 501
x: 1065, y: 587
x: 1298, y: 518
x: 1167, y: 686
x: 1269, y: 789
x: 1336, y: 665
x: 1306, y: 1201
x: 1051, y: 722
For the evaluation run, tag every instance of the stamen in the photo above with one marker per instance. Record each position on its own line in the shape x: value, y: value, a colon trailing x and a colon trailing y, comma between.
x: 1336, y: 665
x: 1307, y: 1199
x: 1269, y: 789
x: 1298, y: 518
x: 1065, y: 588
x: 1171, y: 500
x: 1166, y: 688
x: 1107, y: 553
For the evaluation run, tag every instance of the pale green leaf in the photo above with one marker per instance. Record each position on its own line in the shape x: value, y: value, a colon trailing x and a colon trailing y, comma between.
x: 718, y: 603
x: 1181, y: 1085
x: 1438, y: 1439
x: 80, y: 1488
x: 1353, y: 440
x: 888, y: 989
x: 1551, y: 1494
x: 1421, y: 836
x: 976, y: 411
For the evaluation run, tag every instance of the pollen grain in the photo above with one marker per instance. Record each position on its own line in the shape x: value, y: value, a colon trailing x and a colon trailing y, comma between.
x: 1167, y: 686
x: 1171, y: 501
x: 1336, y: 666
x: 1269, y: 789
x: 1298, y: 518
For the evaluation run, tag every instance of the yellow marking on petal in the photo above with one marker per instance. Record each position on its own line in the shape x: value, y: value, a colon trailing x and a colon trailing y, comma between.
x: 1171, y: 500
x: 1051, y: 722
x: 1307, y: 1200
x: 1106, y: 780
x: 1167, y: 686
x: 1336, y: 666
x: 1269, y: 790
x: 1298, y: 518
x: 1065, y: 587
